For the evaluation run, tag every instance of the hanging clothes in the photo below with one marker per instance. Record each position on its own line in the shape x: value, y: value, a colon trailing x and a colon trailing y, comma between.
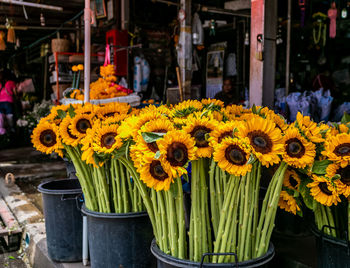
x: 332, y: 15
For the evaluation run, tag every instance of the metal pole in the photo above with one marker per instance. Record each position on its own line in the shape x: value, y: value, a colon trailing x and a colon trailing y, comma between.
x: 87, y: 61
x: 29, y: 4
x: 87, y: 51
x: 288, y: 46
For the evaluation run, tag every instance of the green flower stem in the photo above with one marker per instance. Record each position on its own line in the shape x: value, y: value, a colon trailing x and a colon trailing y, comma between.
x: 232, y: 247
x: 271, y: 210
x: 256, y: 209
x: 331, y: 221
x: 191, y: 236
x: 78, y: 80
x: 158, y: 216
x: 124, y: 190
x: 203, y: 204
x: 241, y: 214
x: 118, y: 185
x: 142, y: 189
x: 130, y: 195
x: 195, y: 211
x: 114, y: 188
x: 219, y: 187
x: 247, y: 204
x: 223, y: 214
x: 173, y: 223
x: 181, y: 220
x: 104, y: 187
x: 250, y: 217
x: 97, y: 189
x: 83, y: 177
x: 225, y: 241
x: 213, y: 198
x: 135, y: 197
x: 74, y: 77
x: 165, y: 234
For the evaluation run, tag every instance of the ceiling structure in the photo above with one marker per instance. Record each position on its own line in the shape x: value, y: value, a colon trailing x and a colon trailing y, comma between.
x: 53, y: 19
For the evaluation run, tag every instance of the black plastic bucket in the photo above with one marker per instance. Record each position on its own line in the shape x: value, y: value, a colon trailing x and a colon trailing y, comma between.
x: 119, y: 240
x: 63, y: 220
x: 167, y: 261
x: 331, y: 252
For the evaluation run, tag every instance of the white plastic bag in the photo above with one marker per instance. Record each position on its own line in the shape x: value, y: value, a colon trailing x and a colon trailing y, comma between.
x: 137, y: 74
x: 146, y: 70
x: 297, y: 103
x: 197, y: 30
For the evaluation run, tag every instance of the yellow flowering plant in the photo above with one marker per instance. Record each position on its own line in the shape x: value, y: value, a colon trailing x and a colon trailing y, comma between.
x: 319, y: 177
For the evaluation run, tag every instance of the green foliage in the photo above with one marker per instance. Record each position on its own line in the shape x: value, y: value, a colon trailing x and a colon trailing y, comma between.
x: 150, y: 137
x: 305, y: 192
x: 345, y: 119
x: 320, y: 167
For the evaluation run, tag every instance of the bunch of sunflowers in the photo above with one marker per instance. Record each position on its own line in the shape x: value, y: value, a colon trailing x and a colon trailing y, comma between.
x: 324, y: 187
x: 124, y: 155
x: 86, y: 134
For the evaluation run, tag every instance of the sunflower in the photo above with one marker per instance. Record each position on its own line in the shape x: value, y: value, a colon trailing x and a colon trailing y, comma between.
x: 157, y: 125
x: 288, y: 203
x: 232, y: 155
x: 80, y: 124
x: 298, y: 152
x: 291, y: 180
x: 87, y: 108
x: 337, y: 129
x: 324, y: 191
x: 136, y: 123
x: 177, y: 147
x: 154, y: 175
x: 45, y: 138
x: 337, y: 149
x: 344, y: 181
x: 67, y: 137
x: 87, y: 150
x: 106, y: 139
x: 198, y: 128
x: 265, y: 139
x: 222, y: 131
x: 54, y: 117
x: 309, y: 128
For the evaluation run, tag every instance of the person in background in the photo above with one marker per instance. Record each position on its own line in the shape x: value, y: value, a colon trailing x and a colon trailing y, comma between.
x: 227, y: 95
x: 7, y: 88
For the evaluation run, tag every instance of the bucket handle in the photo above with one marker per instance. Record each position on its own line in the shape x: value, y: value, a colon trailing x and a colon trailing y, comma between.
x: 219, y: 254
x: 337, y: 229
x: 78, y: 199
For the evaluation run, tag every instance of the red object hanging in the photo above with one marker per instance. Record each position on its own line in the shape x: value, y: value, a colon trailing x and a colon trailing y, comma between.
x: 117, y: 40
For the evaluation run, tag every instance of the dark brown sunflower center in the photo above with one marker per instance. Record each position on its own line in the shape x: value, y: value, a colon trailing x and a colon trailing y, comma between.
x: 82, y: 125
x: 345, y: 175
x: 293, y: 181
x: 342, y: 149
x: 324, y: 188
x: 157, y: 171
x: 260, y: 141
x: 235, y: 155
x: 295, y: 148
x: 108, y: 139
x: 48, y: 138
x: 224, y: 135
x: 177, y: 154
x: 198, y: 133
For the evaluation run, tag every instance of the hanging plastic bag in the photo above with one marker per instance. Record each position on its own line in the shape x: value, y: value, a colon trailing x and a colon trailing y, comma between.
x: 324, y: 103
x: 197, y: 30
x: 137, y: 74
x: 145, y: 70
x: 231, y: 65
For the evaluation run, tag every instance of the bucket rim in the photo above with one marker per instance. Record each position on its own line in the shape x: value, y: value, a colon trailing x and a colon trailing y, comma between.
x: 160, y: 255
x: 102, y: 215
x: 43, y: 190
x: 329, y: 238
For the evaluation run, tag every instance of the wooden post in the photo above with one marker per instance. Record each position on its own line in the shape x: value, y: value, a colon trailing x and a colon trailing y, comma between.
x: 262, y: 72
x: 185, y: 49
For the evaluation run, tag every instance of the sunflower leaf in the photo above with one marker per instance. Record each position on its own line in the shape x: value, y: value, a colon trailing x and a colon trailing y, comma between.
x: 254, y: 109
x: 305, y: 193
x: 61, y: 114
x: 300, y: 213
x: 346, y: 118
x: 150, y: 137
x: 320, y: 167
x: 71, y: 111
x: 157, y: 155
